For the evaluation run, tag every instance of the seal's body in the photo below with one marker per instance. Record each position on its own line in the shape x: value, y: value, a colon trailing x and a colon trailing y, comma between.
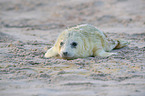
x: 83, y: 41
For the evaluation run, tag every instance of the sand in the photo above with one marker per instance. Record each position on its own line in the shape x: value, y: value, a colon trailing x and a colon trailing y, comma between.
x: 29, y: 27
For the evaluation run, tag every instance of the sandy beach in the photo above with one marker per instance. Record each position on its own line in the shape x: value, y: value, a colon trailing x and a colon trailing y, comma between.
x: 28, y: 28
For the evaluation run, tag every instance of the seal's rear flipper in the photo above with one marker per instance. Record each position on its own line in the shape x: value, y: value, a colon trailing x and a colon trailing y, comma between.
x: 121, y: 44
x: 50, y: 53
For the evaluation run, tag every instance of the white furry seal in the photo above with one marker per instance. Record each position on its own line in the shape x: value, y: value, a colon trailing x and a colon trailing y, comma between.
x: 83, y: 41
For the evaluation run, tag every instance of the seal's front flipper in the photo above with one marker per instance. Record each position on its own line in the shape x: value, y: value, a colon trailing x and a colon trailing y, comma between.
x: 122, y: 43
x: 51, y: 52
x: 102, y: 53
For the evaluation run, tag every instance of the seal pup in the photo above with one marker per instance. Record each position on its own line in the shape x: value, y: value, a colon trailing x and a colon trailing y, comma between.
x: 83, y: 41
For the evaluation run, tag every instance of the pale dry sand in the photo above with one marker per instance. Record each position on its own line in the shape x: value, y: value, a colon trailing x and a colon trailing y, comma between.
x: 29, y: 27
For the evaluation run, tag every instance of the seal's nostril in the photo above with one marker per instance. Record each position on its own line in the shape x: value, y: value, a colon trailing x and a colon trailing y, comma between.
x: 65, y: 53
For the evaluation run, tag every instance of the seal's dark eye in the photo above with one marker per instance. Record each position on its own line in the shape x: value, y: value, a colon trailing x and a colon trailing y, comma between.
x: 61, y: 43
x: 74, y: 44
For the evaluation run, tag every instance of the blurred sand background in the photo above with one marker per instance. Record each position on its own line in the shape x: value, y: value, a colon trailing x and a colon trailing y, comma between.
x: 29, y: 27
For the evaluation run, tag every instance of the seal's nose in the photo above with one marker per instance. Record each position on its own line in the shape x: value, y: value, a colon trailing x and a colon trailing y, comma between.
x: 65, y: 53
